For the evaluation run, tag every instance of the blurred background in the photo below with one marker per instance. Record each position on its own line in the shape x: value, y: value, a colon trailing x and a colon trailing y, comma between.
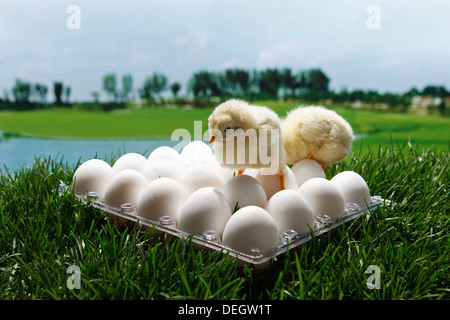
x: 60, y: 58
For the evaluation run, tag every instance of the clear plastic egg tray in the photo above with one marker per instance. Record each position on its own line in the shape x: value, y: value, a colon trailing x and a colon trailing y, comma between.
x: 209, y: 240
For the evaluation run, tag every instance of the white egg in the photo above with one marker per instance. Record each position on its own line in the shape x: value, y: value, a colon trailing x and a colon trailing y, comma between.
x: 162, y: 197
x: 210, y: 160
x: 251, y: 228
x: 290, y: 211
x: 198, y: 176
x: 324, y: 197
x: 162, y: 168
x: 131, y: 160
x: 224, y: 173
x: 243, y: 191
x: 164, y: 152
x: 307, y: 169
x: 205, y: 209
x: 197, y: 152
x: 353, y: 188
x: 125, y: 187
x: 252, y: 172
x: 92, y: 176
x: 272, y: 183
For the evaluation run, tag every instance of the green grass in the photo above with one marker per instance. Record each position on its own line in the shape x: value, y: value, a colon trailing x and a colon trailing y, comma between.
x: 158, y: 122
x: 374, y: 127
x: 380, y: 127
x: 42, y: 233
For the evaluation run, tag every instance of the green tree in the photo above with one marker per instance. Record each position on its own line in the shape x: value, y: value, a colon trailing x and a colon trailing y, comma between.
x: 253, y: 84
x: 236, y: 82
x: 127, y: 87
x: 357, y: 95
x: 411, y: 93
x: 153, y: 86
x: 198, y: 83
x: 372, y: 97
x: 343, y: 95
x: 395, y: 101
x: 39, y: 91
x: 96, y: 96
x: 57, y: 90
x: 22, y: 91
x: 244, y: 80
x: 317, y: 81
x: 269, y: 83
x: 67, y: 90
x: 175, y: 88
x: 300, y: 83
x: 110, y: 86
x: 316, y: 84
x: 435, y: 91
x: 287, y: 82
x: 442, y: 107
x: 204, y: 84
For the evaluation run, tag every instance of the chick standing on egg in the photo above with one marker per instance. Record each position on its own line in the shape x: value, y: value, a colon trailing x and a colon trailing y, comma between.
x: 317, y: 133
x: 247, y: 136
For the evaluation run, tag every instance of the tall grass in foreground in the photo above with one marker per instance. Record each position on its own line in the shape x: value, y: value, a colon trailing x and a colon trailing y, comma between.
x: 42, y: 233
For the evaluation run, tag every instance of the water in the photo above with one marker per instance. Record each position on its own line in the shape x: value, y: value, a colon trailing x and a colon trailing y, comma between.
x: 18, y: 152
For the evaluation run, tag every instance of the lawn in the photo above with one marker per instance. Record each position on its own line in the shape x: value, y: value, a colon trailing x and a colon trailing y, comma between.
x: 43, y: 233
x: 372, y: 127
x: 158, y: 122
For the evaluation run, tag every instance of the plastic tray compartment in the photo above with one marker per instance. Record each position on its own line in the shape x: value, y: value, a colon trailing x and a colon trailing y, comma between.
x: 209, y: 240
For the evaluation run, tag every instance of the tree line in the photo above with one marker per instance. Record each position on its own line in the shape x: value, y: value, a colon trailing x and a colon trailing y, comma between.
x: 29, y: 95
x: 310, y: 86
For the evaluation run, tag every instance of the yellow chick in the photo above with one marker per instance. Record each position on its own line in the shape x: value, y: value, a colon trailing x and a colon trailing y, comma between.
x: 314, y: 132
x: 247, y: 136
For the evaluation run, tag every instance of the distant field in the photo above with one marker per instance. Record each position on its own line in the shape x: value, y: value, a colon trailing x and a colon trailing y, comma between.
x: 128, y: 123
x: 373, y: 127
x: 378, y: 127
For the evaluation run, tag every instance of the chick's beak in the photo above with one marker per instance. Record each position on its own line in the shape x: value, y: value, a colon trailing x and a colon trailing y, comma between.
x: 211, y: 139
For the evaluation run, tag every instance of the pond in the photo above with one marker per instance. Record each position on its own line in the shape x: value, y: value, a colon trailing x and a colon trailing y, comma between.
x: 17, y: 152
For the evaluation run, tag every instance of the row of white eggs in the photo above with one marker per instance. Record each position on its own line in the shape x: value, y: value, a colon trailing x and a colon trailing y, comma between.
x: 200, y: 195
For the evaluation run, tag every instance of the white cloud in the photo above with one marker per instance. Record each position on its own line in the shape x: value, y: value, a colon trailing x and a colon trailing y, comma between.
x: 390, y: 63
x: 286, y: 53
x: 194, y: 41
x: 193, y: 46
x: 142, y: 58
x: 233, y: 63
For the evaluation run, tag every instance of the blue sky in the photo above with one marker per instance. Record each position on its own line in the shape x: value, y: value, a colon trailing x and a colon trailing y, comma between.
x: 179, y: 37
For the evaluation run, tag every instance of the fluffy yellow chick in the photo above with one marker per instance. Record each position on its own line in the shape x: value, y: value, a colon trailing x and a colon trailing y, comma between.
x: 314, y: 132
x: 247, y: 136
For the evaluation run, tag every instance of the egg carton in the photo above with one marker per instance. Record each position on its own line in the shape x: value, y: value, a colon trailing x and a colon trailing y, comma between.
x: 210, y: 240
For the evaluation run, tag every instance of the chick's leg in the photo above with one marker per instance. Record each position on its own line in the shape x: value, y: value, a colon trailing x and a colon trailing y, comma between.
x: 323, y: 164
x: 282, y: 181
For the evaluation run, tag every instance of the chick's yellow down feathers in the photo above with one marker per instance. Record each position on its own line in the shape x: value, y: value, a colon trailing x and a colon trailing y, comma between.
x: 238, y: 114
x: 254, y: 130
x: 318, y: 133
